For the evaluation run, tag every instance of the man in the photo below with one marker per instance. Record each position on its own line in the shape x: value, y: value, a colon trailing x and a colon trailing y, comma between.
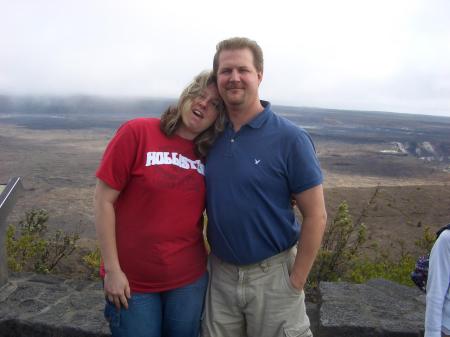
x: 254, y: 168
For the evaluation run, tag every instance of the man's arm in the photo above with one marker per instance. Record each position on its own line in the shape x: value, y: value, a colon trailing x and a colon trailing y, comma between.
x: 311, y: 204
x: 116, y: 287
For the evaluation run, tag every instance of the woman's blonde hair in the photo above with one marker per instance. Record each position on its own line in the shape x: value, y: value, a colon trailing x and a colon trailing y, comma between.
x: 171, y: 118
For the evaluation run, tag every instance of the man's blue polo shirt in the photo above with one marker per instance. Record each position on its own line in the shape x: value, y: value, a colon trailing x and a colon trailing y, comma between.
x: 250, y: 176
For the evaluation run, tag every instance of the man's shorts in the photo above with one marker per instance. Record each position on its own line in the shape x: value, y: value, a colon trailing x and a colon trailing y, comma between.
x: 256, y: 300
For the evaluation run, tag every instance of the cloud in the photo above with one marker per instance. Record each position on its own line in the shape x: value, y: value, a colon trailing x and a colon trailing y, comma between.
x: 370, y: 54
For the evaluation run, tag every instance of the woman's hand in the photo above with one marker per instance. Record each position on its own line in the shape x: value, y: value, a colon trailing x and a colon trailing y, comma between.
x: 117, y: 289
x: 116, y: 286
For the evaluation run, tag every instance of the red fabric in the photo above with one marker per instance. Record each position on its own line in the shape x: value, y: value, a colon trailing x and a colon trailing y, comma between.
x: 159, y: 209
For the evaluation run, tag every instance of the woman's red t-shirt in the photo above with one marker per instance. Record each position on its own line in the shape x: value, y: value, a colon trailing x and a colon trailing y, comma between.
x: 159, y: 208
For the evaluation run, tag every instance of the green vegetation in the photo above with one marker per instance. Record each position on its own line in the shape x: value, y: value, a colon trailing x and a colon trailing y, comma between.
x: 93, y: 260
x: 29, y: 248
x: 340, y: 248
x: 383, y: 266
x: 340, y: 258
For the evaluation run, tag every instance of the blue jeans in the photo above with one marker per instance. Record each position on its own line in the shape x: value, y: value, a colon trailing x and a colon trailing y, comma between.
x: 172, y: 313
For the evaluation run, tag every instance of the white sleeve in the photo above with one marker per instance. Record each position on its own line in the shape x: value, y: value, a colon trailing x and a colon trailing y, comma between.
x: 437, y: 284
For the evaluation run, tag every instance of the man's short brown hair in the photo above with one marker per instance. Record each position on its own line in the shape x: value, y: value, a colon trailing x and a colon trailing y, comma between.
x: 239, y: 43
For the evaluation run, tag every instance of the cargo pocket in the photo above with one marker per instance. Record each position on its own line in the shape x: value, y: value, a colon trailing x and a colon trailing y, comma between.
x: 112, y: 315
x: 300, y: 331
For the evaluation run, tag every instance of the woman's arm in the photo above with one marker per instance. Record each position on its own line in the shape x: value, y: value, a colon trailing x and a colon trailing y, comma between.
x: 117, y: 289
x: 437, y: 284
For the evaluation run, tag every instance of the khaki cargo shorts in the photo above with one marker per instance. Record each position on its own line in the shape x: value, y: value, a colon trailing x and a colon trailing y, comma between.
x: 255, y: 300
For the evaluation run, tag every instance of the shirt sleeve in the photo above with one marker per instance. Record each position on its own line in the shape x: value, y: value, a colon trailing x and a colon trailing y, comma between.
x: 437, y: 284
x: 118, y: 160
x: 303, y: 166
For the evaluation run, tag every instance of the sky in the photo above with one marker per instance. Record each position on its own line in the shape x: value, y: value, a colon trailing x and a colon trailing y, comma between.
x: 382, y: 55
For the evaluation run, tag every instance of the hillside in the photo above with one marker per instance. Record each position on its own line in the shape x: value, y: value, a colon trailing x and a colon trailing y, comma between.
x: 405, y: 159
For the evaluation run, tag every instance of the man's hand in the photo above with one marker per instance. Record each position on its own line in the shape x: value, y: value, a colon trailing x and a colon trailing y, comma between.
x: 117, y: 289
x: 297, y: 283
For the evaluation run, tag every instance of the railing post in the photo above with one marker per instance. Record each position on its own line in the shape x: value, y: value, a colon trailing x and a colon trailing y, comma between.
x: 8, y: 198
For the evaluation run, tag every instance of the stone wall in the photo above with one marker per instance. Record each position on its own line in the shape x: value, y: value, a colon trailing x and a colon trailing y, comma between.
x: 48, y: 306
x: 377, y: 308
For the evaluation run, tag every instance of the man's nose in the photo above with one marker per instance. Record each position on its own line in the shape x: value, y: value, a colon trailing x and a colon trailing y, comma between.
x: 234, y: 76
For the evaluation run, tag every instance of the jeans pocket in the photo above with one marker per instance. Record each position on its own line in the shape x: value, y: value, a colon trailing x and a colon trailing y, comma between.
x: 112, y: 315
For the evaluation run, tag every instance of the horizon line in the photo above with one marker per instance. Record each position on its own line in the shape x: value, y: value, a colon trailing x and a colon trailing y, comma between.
x: 167, y: 98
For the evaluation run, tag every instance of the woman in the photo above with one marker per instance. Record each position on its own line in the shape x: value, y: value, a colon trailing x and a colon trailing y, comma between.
x: 437, y: 316
x: 149, y: 201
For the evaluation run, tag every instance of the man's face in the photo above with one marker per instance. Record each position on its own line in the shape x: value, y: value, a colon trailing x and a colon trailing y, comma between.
x: 237, y: 78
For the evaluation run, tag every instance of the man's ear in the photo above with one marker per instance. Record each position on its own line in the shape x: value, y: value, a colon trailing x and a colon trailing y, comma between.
x: 260, y: 76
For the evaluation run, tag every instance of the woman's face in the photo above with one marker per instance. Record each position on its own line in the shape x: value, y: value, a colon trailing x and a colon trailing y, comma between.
x: 200, y: 113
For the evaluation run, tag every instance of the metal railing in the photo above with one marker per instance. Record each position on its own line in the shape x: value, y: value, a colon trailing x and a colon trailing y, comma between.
x: 8, y: 197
